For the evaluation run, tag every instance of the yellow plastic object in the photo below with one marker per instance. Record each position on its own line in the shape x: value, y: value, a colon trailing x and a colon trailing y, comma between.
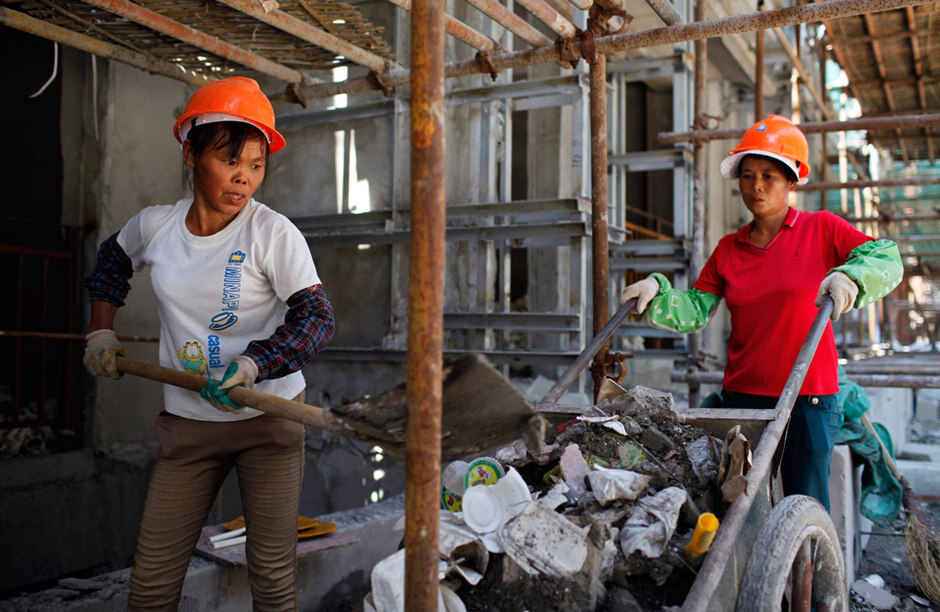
x: 703, y: 535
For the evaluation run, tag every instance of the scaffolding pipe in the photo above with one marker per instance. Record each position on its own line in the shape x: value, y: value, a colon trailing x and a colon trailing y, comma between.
x: 425, y: 307
x: 550, y: 17
x: 907, y: 381
x: 666, y: 11
x: 758, y: 71
x: 180, y: 31
x: 37, y: 27
x: 615, y: 43
x: 599, y: 207
x: 888, y: 218
x: 896, y: 182
x: 512, y: 22
x: 461, y: 31
x: 697, y: 255
x: 582, y: 4
x: 812, y: 127
x: 304, y: 31
x: 914, y: 237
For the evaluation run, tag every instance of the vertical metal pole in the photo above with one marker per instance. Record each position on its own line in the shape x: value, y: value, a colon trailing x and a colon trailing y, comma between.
x: 599, y: 207
x: 425, y: 306
x: 697, y: 256
x: 758, y: 70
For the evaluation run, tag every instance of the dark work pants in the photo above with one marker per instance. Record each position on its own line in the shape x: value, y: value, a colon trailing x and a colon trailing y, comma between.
x: 810, y: 437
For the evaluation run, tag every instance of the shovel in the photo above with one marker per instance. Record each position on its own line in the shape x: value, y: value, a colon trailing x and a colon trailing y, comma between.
x: 480, y: 411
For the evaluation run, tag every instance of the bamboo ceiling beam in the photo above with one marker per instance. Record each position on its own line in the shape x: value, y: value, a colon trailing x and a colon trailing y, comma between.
x: 462, y: 32
x: 180, y: 31
x: 918, y: 63
x: 883, y: 75
x: 94, y: 46
x: 615, y: 43
x: 304, y: 31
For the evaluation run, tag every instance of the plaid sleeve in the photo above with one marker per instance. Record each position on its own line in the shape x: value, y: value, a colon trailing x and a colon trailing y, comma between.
x: 113, y: 268
x: 308, y: 327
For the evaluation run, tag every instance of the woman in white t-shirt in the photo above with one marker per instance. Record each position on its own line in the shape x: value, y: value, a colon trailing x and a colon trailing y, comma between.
x: 240, y: 302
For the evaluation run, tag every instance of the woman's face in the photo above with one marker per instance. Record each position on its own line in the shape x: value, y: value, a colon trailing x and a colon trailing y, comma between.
x: 765, y: 186
x: 223, y: 184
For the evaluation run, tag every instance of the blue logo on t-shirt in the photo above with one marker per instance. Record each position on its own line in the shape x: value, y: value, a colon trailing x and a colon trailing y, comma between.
x: 222, y: 321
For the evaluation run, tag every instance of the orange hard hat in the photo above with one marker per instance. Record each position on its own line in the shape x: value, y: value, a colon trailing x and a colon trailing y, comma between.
x: 231, y: 99
x: 776, y: 137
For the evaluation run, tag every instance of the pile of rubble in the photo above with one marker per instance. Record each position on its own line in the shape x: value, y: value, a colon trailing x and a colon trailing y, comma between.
x: 601, y: 520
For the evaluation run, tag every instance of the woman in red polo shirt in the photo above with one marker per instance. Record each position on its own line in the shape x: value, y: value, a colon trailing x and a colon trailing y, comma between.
x: 773, y: 273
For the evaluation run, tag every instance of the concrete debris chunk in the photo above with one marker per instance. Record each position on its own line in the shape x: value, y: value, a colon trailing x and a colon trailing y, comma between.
x: 879, y: 598
x: 649, y: 404
x: 650, y: 527
x: 609, y: 485
x: 705, y: 456
x: 542, y: 541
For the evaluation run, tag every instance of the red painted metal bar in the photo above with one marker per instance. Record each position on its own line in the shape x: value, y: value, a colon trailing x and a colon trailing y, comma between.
x: 425, y: 306
x: 181, y: 31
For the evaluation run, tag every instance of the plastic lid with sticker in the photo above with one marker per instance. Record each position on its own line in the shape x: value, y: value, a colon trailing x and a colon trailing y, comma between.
x: 483, y: 470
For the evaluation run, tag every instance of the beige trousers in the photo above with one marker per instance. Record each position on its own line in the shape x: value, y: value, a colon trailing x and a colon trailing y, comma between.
x: 193, y: 461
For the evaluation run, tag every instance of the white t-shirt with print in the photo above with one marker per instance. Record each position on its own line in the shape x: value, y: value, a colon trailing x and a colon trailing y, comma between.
x: 215, y: 294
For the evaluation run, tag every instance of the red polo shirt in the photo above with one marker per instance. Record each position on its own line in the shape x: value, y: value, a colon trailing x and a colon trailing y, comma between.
x: 771, y: 294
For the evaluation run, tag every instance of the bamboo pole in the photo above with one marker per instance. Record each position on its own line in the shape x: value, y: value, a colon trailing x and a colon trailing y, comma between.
x: 181, y: 31
x: 25, y: 23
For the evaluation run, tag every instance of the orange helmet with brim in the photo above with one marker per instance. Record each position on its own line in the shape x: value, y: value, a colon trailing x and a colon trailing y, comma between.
x: 231, y: 99
x: 776, y: 137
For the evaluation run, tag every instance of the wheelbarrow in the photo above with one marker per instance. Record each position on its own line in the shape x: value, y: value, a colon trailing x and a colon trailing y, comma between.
x: 766, y: 542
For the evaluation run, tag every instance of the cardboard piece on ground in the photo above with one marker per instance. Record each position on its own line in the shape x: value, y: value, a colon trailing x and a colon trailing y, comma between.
x: 235, y: 555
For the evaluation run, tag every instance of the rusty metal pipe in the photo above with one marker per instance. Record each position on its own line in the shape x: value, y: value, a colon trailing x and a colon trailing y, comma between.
x: 599, y: 208
x: 906, y: 381
x: 181, y: 31
x: 811, y: 127
x: 37, y: 27
x: 550, y: 17
x: 759, y: 71
x: 425, y: 306
x: 512, y: 22
x: 897, y: 182
x: 609, y: 45
x: 802, y: 600
x: 304, y: 31
x: 666, y: 11
x: 697, y: 256
x: 461, y: 31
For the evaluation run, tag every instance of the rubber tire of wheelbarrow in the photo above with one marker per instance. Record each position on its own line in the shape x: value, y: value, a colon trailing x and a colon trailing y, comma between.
x: 793, y: 521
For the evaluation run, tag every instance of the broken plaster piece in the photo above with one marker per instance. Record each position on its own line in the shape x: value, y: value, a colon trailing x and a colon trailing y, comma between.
x: 652, y: 523
x: 574, y: 469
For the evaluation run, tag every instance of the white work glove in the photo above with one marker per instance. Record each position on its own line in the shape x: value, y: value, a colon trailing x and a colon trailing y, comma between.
x: 644, y: 291
x: 843, y: 291
x: 101, y: 350
x: 242, y: 371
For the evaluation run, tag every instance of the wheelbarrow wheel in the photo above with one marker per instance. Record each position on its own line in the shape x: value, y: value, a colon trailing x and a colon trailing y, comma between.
x: 798, y: 523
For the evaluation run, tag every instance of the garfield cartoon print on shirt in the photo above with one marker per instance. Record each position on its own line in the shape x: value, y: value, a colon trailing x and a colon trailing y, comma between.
x: 192, y: 357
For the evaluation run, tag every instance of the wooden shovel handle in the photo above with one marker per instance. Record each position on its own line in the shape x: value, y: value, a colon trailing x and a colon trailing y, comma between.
x: 271, y: 404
